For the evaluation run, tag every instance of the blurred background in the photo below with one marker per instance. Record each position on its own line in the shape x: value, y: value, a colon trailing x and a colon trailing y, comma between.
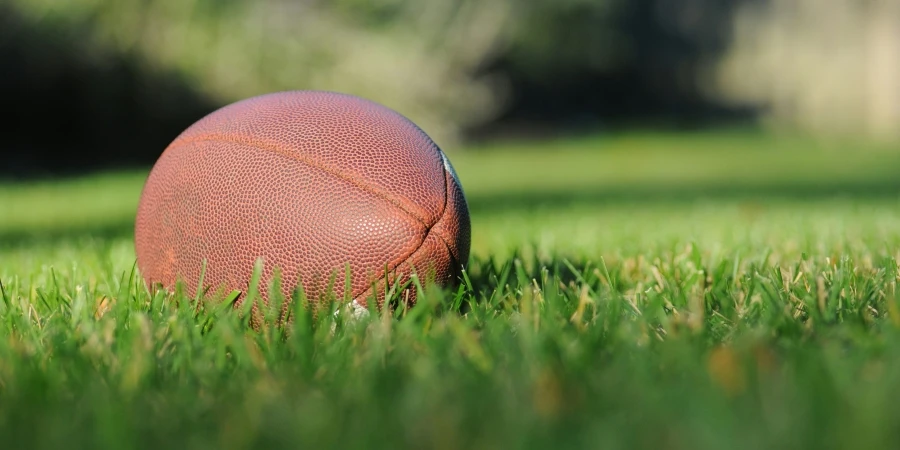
x: 538, y: 102
x: 94, y: 84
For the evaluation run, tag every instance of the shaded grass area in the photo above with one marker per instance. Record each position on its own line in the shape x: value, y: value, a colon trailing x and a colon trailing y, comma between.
x: 615, y: 169
x: 757, y: 318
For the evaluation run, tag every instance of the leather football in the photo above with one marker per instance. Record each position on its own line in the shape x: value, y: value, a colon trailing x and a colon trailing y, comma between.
x: 311, y: 184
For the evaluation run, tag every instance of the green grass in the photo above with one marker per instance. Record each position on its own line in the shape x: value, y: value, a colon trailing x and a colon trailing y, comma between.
x: 633, y: 291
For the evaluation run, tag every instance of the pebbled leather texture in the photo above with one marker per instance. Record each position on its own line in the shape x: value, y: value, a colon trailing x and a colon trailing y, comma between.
x: 310, y: 182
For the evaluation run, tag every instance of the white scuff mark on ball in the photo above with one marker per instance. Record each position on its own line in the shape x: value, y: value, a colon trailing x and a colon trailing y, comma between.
x: 351, y: 312
x: 449, y: 167
x: 357, y: 311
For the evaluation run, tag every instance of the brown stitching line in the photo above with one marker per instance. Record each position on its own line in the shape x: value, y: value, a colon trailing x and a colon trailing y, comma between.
x: 418, y: 248
x: 446, y: 183
x: 390, y: 270
x: 446, y: 202
x: 275, y: 149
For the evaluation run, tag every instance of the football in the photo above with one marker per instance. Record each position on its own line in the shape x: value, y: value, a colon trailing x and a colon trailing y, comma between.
x: 315, y: 185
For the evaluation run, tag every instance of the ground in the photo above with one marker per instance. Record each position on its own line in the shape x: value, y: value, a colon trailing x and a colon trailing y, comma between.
x: 637, y: 290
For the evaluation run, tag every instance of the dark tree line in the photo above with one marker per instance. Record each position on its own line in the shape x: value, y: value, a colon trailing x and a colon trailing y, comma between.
x: 570, y: 66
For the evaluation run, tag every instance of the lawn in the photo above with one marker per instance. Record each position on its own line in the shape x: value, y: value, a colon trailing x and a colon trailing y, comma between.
x: 638, y: 290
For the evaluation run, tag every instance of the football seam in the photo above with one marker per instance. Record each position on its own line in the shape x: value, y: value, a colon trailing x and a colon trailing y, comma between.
x: 274, y: 148
x: 392, y: 269
x: 418, y: 248
x: 444, y: 209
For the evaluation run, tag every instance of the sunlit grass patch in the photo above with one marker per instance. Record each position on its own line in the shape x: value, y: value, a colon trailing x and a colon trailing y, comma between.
x: 752, y: 318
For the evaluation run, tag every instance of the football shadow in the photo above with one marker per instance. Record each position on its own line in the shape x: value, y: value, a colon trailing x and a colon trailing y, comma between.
x: 636, y: 195
x: 514, y: 202
x: 12, y: 239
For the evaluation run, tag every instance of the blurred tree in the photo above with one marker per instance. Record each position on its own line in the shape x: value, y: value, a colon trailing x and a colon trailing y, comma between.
x: 579, y: 64
x: 458, y: 68
x: 72, y: 106
x: 823, y: 70
x: 416, y: 57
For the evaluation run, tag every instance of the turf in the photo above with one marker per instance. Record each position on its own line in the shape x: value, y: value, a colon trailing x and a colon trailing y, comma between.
x: 671, y: 291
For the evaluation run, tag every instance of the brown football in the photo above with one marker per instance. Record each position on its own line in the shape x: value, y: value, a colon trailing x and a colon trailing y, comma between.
x: 310, y: 183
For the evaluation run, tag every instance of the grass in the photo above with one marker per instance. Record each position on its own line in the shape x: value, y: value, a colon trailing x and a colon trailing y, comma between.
x: 664, y: 291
